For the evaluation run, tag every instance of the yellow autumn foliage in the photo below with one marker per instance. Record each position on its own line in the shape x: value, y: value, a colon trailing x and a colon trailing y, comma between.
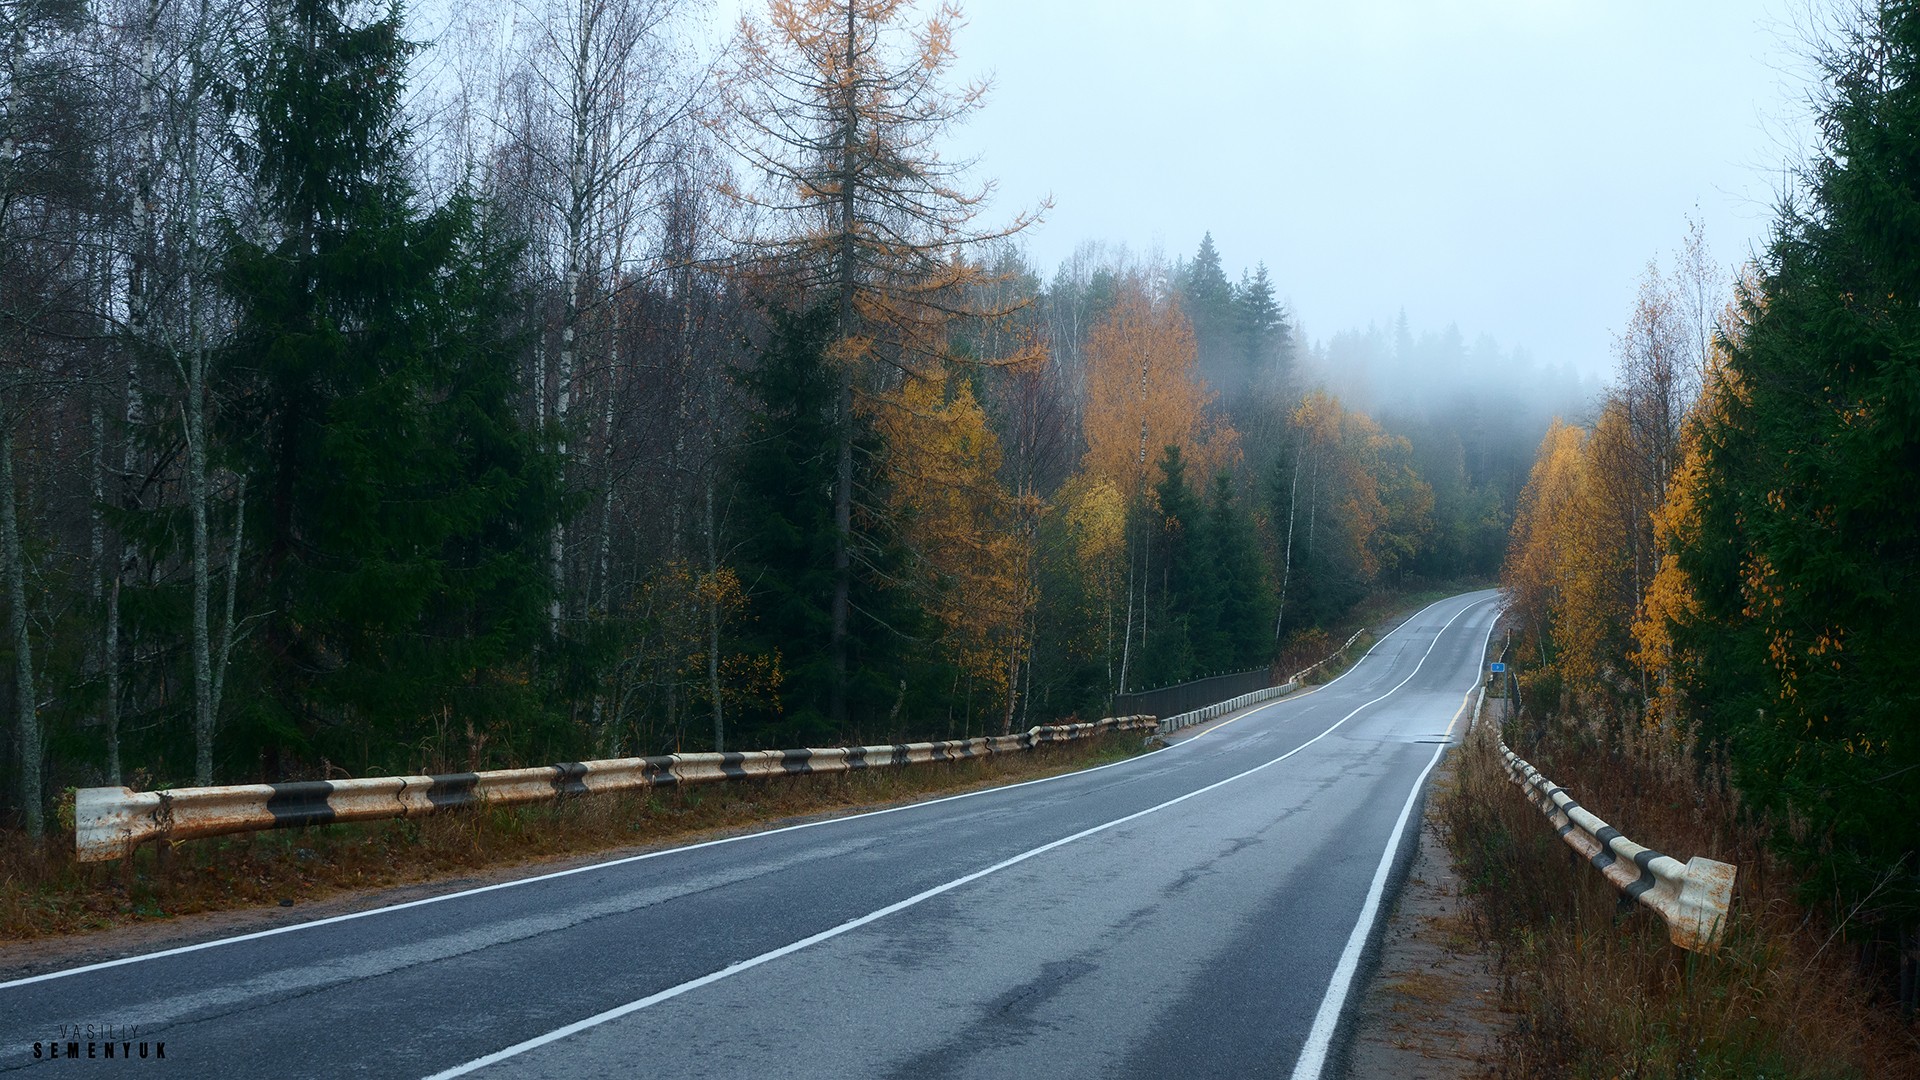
x: 1381, y: 498
x: 1144, y: 394
x: 958, y: 521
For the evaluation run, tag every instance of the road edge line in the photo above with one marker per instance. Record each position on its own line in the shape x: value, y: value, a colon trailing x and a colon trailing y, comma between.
x: 1326, y: 1021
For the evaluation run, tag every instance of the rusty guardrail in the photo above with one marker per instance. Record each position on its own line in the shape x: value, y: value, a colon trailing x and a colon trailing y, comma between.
x: 110, y: 822
x: 1692, y: 897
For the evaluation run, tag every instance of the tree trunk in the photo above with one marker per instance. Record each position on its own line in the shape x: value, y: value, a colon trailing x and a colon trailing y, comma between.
x: 1013, y: 687
x: 843, y: 457
x: 842, y: 550
x: 202, y: 646
x: 563, y: 401
x: 16, y: 572
x: 1126, y: 634
x: 225, y: 653
x: 604, y: 561
x: 1286, y: 570
x: 713, y: 542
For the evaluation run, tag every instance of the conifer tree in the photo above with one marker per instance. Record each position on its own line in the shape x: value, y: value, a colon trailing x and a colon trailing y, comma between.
x: 1243, y: 616
x: 1806, y: 559
x: 1185, y: 643
x: 1206, y: 295
x: 841, y: 104
x: 1262, y: 327
x: 785, y: 475
x: 402, y: 504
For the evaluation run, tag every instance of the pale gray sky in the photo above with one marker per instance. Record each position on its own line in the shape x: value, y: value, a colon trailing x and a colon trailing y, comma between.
x: 1509, y: 166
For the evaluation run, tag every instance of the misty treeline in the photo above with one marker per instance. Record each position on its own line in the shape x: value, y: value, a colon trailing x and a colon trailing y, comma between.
x: 1721, y: 565
x: 563, y: 390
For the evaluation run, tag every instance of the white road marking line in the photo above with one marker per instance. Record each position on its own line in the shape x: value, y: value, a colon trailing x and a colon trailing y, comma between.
x: 1326, y: 1022
x: 736, y: 968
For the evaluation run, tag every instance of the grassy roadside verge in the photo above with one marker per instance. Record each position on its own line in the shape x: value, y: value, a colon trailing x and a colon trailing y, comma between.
x: 1598, y: 990
x: 43, y: 891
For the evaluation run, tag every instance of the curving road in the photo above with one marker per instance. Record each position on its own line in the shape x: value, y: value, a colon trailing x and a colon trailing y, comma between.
x: 1199, y: 911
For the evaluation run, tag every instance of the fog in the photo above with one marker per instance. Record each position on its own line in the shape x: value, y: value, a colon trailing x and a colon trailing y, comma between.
x: 1507, y: 165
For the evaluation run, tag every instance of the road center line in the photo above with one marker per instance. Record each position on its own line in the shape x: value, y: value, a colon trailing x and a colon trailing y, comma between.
x: 927, y: 894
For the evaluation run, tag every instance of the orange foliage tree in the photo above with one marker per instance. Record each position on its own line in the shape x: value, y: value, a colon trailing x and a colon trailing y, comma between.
x: 1144, y: 394
x: 961, y: 525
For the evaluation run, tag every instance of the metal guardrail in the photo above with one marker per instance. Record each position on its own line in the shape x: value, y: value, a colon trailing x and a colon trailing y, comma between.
x: 1692, y: 897
x: 1221, y: 708
x: 1301, y: 675
x: 110, y: 822
x: 1194, y: 693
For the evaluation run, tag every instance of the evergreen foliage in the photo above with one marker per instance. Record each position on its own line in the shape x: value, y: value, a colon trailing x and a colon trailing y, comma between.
x: 1805, y: 653
x: 785, y: 476
x: 1243, y: 613
x: 1206, y: 295
x: 1262, y: 327
x: 1214, y: 598
x: 401, y: 501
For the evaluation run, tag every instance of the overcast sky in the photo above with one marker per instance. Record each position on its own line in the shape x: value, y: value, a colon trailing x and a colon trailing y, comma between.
x: 1506, y: 165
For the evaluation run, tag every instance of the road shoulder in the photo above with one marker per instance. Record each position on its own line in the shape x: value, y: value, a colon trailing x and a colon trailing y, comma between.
x: 1431, y: 1008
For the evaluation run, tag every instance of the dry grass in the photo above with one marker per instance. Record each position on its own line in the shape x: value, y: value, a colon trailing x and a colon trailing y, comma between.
x: 43, y: 891
x: 1601, y: 992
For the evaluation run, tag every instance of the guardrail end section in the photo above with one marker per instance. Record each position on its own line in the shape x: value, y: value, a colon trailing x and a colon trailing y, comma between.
x: 1703, y: 905
x: 103, y: 822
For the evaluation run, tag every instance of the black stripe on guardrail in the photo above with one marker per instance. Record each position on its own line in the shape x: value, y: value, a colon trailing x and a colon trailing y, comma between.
x: 569, y: 778
x: 657, y: 771
x: 733, y: 765
x: 901, y: 755
x: 301, y: 802
x: 1646, y: 880
x: 1606, y: 857
x: 452, y: 789
x: 857, y: 758
x: 796, y: 762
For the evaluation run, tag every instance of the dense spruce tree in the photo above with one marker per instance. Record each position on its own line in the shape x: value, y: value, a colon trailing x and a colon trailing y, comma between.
x: 1260, y: 327
x: 785, y: 475
x: 1211, y: 598
x: 1206, y: 295
x: 401, y: 504
x: 1242, y: 617
x: 1179, y: 586
x: 1805, y: 652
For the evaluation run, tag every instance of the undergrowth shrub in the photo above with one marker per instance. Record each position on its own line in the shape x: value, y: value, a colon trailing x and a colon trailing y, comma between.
x: 1598, y: 989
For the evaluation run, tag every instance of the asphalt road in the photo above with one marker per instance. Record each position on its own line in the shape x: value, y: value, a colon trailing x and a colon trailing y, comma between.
x: 1197, y: 911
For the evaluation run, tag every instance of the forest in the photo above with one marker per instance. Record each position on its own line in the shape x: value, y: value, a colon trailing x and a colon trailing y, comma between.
x: 566, y: 388
x: 1716, y: 574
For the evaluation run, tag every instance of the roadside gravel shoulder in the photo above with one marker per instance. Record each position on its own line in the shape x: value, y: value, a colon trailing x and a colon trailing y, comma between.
x: 1431, y: 1009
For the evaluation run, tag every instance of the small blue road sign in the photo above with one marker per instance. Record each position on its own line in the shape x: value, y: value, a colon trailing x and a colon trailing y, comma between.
x: 1498, y: 667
